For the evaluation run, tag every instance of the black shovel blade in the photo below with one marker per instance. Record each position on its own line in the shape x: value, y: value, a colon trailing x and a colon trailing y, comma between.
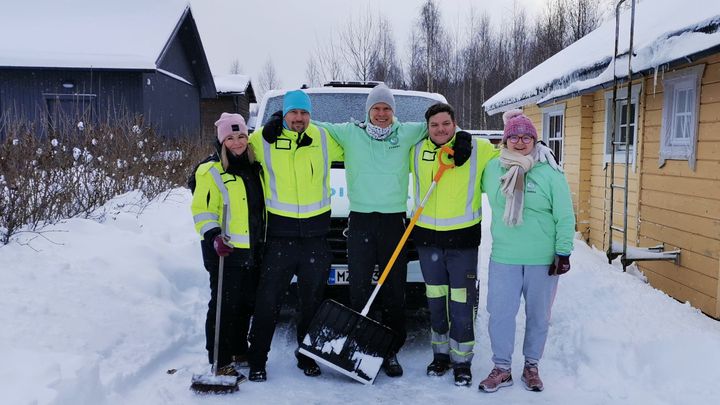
x: 347, y: 341
x: 214, y: 384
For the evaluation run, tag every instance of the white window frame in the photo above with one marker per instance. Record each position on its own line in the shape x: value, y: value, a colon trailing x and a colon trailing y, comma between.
x: 547, y: 113
x: 620, y: 156
x: 672, y: 146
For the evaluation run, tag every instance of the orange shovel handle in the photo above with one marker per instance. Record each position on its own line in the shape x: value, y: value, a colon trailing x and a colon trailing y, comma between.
x: 445, y: 150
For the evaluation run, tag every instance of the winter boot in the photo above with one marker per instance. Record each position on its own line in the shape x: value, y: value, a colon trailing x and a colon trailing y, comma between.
x: 307, y: 365
x: 257, y: 373
x: 240, y: 361
x: 531, y: 378
x: 392, y: 367
x: 463, y: 376
x: 497, y: 378
x: 229, y: 370
x: 439, y: 365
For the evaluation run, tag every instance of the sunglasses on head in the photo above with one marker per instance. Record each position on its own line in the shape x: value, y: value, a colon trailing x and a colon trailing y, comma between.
x: 526, y: 139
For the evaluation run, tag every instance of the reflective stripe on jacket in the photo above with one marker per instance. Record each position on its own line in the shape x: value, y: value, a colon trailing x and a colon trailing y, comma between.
x: 213, y: 187
x: 296, y: 181
x: 456, y: 202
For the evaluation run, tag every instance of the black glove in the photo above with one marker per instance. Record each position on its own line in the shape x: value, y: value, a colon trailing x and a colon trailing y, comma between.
x: 462, y: 148
x: 561, y: 265
x: 541, y: 142
x: 304, y: 140
x: 273, y: 127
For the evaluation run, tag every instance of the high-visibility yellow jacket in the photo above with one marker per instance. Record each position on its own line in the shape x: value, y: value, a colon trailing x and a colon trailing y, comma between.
x: 296, y: 180
x: 456, y: 202
x: 214, y: 187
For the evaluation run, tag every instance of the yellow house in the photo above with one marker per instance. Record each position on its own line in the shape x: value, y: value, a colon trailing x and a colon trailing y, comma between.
x: 673, y: 148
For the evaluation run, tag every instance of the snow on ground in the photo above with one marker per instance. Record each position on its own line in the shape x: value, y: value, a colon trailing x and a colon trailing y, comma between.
x: 97, y: 312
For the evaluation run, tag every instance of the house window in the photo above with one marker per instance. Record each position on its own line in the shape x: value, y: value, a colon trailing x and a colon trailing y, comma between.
x: 625, y: 127
x: 681, y: 105
x: 553, y: 124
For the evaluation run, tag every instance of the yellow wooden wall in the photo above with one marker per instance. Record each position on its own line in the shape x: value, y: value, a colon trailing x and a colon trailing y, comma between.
x: 577, y: 143
x: 681, y: 207
x: 600, y: 180
x: 675, y: 205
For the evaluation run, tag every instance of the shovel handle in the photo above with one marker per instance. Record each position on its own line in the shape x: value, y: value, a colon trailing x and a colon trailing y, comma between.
x: 445, y: 150
x: 218, y: 305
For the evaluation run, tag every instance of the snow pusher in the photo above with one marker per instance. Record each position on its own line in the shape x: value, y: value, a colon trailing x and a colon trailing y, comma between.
x: 215, y: 383
x: 348, y: 341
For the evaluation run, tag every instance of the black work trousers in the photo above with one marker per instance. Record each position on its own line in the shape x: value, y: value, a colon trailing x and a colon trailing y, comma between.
x: 307, y: 258
x: 372, y: 238
x: 238, y: 302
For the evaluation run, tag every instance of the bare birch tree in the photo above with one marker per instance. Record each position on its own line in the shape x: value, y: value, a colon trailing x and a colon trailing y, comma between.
x: 430, y: 33
x: 268, y: 78
x: 384, y: 65
x: 235, y: 67
x: 327, y: 60
x: 359, y: 43
x: 312, y: 73
x: 583, y: 17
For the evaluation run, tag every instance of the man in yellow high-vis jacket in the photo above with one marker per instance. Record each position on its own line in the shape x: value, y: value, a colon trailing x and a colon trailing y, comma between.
x: 296, y: 183
x: 447, y: 237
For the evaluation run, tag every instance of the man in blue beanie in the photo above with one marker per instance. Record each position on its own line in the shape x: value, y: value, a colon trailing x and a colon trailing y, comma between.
x: 296, y: 179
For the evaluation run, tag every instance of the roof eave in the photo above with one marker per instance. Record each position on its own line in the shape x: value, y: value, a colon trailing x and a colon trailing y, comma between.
x: 605, y: 85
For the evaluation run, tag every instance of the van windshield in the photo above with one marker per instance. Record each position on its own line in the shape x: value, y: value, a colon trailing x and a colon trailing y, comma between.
x: 342, y: 107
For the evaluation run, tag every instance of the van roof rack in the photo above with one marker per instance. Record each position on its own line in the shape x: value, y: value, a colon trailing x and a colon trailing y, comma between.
x: 337, y: 83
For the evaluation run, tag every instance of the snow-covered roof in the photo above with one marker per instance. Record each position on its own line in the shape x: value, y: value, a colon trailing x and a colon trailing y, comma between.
x: 231, y: 83
x: 127, y: 34
x: 665, y: 31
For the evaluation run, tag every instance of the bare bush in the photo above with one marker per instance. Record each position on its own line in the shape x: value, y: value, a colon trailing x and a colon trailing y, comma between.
x: 49, y: 173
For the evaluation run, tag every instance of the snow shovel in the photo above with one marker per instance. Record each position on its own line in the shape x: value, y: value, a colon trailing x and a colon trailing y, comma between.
x: 348, y: 341
x: 214, y: 383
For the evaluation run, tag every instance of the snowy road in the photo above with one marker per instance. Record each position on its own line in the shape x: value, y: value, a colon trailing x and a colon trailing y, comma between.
x: 98, y: 313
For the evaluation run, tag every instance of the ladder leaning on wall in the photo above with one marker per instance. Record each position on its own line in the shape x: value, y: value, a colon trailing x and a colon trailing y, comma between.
x: 616, y: 249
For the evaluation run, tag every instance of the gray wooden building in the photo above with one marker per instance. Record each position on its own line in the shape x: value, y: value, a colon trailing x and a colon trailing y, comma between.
x: 104, y: 62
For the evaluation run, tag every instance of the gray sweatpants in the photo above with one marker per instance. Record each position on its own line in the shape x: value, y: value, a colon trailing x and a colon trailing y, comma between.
x: 506, y: 284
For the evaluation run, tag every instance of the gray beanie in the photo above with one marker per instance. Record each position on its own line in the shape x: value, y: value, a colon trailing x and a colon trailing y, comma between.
x: 380, y: 94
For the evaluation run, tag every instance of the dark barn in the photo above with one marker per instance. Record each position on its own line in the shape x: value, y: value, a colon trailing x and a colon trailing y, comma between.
x: 104, y: 61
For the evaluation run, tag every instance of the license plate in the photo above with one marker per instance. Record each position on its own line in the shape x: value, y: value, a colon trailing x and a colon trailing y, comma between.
x: 341, y: 276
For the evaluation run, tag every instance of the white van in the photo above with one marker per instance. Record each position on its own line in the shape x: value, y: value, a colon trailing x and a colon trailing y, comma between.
x: 339, y: 102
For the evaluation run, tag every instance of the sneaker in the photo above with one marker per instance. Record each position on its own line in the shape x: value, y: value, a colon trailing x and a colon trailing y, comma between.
x: 439, y: 365
x: 307, y: 365
x: 257, y: 374
x: 531, y: 378
x: 392, y: 367
x: 463, y: 376
x: 497, y: 378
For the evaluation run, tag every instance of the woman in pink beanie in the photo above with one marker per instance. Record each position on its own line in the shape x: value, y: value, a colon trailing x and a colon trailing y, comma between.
x: 533, y: 225
x: 230, y: 178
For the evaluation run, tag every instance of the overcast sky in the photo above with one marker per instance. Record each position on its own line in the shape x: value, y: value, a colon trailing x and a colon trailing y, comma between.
x: 288, y: 30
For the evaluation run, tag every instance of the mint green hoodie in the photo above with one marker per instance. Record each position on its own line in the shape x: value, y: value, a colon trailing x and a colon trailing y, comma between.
x: 377, y: 172
x: 548, y: 224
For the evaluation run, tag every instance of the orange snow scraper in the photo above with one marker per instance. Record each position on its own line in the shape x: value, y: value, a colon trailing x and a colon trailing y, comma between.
x: 348, y: 341
x: 215, y: 383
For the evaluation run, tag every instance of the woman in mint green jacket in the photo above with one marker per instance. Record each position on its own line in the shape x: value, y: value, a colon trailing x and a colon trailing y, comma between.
x: 533, y: 225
